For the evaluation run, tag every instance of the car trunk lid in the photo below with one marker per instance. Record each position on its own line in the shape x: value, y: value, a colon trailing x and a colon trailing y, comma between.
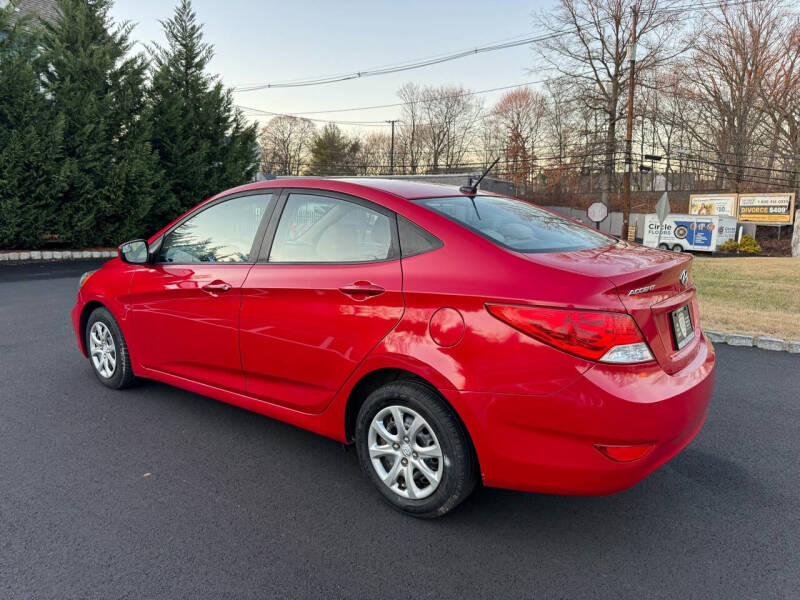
x: 651, y: 284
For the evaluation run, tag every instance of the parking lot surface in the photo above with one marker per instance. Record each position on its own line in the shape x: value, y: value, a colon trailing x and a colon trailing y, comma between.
x: 155, y: 492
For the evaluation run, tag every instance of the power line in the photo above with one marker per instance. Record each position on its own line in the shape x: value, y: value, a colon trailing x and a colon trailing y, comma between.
x: 711, y: 168
x: 258, y: 111
x: 402, y: 67
x: 493, y: 47
x: 461, y: 164
x: 700, y: 164
x: 692, y: 7
x: 399, y: 63
x: 443, y: 97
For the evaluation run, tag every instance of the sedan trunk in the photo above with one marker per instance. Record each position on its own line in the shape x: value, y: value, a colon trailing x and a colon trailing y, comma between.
x: 652, y: 287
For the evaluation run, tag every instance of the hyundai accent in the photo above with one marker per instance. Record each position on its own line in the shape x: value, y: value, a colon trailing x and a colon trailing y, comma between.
x: 455, y: 337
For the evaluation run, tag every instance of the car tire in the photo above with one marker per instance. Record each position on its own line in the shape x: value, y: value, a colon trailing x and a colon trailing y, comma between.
x: 108, y: 352
x: 663, y: 246
x: 433, y: 443
x: 677, y: 248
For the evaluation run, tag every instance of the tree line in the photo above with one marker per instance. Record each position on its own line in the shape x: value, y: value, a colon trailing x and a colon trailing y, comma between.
x: 99, y: 143
x: 716, y: 106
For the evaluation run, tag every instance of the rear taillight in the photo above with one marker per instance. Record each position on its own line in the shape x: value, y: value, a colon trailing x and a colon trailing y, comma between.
x: 602, y: 336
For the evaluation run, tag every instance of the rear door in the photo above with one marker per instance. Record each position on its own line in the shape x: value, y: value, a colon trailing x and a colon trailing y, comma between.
x: 185, y: 306
x: 327, y: 288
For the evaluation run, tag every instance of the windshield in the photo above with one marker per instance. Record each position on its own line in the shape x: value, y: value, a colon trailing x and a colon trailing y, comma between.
x: 517, y: 225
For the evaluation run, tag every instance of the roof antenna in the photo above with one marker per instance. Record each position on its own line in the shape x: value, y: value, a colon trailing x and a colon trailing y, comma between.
x: 472, y: 188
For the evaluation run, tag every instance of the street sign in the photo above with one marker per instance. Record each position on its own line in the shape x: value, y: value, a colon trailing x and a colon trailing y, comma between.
x: 662, y: 212
x: 662, y: 207
x: 597, y: 212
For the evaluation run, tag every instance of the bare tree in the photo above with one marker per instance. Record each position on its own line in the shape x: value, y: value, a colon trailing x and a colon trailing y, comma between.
x: 451, y: 119
x: 488, y: 141
x: 285, y: 142
x: 520, y: 116
x: 438, y: 127
x: 736, y: 49
x: 781, y: 95
x: 589, y: 45
x: 409, y: 143
x: 561, y: 127
x: 374, y: 153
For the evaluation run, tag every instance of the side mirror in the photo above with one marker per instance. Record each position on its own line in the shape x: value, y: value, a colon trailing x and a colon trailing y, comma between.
x: 135, y: 252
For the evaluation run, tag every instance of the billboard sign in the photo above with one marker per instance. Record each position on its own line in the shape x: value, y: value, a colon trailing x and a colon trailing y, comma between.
x: 712, y: 204
x: 766, y: 209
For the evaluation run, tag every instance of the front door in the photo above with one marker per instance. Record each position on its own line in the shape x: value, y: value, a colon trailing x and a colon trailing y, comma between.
x: 185, y: 307
x: 330, y: 290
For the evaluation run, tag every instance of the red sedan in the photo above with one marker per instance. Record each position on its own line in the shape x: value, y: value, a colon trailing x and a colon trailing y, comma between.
x: 453, y: 337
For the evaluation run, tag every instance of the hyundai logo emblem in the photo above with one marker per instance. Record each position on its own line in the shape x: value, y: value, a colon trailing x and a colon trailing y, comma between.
x: 684, y: 277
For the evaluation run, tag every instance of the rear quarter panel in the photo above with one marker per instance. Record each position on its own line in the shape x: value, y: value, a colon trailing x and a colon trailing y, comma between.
x: 467, y: 273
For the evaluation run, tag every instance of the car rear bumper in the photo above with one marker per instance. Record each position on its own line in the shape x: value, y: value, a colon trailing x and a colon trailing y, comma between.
x: 547, y: 443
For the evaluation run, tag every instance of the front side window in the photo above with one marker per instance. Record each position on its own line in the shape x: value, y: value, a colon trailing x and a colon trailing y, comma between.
x: 222, y: 233
x: 322, y: 229
x: 517, y: 225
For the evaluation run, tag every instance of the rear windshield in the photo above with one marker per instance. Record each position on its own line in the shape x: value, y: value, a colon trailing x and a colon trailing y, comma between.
x: 517, y: 225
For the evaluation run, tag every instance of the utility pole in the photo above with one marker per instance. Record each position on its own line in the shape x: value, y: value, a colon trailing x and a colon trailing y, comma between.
x: 391, y: 151
x: 626, y: 183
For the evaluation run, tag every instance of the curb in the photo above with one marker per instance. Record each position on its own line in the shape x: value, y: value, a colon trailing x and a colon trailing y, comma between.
x: 26, y: 255
x: 764, y: 342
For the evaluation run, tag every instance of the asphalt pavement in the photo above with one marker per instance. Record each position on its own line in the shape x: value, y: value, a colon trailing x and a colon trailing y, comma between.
x: 155, y: 492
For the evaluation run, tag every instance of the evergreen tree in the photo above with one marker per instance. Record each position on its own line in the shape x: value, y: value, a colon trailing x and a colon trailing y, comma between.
x: 203, y: 141
x: 97, y: 88
x: 333, y: 153
x: 30, y: 139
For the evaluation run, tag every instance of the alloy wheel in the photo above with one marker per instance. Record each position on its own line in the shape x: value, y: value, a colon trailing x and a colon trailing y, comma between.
x: 102, y: 350
x: 405, y: 452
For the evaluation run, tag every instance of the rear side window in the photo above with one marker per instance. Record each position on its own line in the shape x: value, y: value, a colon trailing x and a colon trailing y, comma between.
x: 322, y: 229
x: 517, y: 225
x: 414, y: 239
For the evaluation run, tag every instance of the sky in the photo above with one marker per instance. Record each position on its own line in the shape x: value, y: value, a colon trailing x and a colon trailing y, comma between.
x: 265, y: 42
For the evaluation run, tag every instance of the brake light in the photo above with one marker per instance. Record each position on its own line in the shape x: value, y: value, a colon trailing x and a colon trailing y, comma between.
x: 596, y: 335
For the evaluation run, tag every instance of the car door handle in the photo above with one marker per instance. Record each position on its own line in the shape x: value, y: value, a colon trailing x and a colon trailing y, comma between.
x: 362, y: 288
x: 217, y: 286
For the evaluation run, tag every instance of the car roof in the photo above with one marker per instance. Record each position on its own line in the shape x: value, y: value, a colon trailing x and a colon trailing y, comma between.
x: 409, y: 189
x: 402, y: 188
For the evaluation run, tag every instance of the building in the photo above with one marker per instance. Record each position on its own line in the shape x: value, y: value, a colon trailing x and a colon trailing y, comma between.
x: 45, y: 10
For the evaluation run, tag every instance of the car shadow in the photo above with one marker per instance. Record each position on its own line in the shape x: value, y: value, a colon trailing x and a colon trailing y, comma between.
x: 694, y: 481
x: 678, y: 497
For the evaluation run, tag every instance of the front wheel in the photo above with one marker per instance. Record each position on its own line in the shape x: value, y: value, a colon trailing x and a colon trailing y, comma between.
x: 108, y: 352
x: 414, y: 449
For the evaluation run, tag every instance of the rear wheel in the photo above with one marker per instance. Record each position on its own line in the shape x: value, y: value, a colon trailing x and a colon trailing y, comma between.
x: 677, y: 248
x: 108, y: 352
x: 414, y: 449
x: 664, y: 246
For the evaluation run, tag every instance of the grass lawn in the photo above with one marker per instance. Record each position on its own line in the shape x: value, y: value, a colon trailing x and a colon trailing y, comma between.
x: 749, y: 295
